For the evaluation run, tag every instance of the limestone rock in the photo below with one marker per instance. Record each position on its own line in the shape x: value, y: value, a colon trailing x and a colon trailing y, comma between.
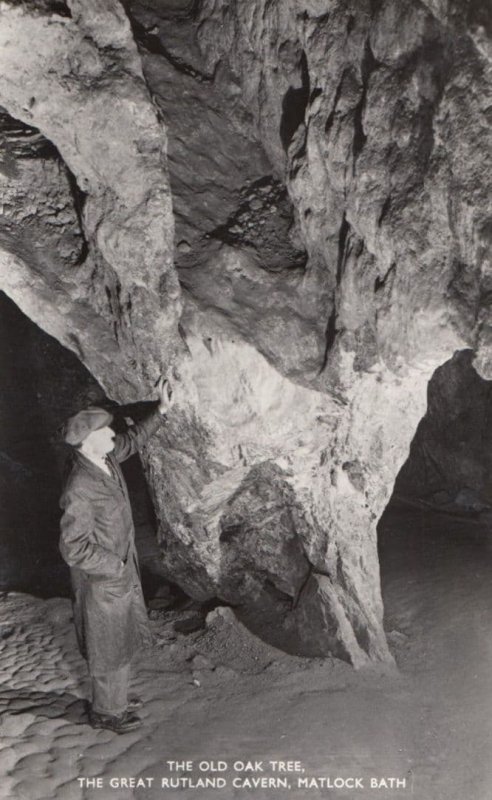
x: 450, y: 463
x: 261, y: 534
x: 81, y: 86
x: 324, y: 622
x: 329, y: 171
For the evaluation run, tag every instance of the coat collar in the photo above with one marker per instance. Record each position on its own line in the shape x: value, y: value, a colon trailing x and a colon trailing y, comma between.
x: 96, y: 471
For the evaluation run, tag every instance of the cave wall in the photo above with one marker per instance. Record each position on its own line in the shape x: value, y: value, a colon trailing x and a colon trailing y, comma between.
x: 43, y: 384
x: 450, y: 459
x: 75, y: 77
x: 327, y: 165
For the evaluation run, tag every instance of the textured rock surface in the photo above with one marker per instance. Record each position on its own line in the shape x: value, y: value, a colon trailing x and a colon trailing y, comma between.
x: 450, y: 463
x: 76, y: 78
x: 328, y: 165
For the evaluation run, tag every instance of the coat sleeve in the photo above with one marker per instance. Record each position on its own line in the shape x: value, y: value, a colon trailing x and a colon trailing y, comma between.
x: 76, y: 547
x: 126, y: 444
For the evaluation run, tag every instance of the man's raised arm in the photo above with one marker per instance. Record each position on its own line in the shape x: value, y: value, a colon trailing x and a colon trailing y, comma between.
x: 127, y: 444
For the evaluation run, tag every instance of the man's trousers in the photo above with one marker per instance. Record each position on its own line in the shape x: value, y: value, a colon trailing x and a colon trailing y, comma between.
x: 110, y: 691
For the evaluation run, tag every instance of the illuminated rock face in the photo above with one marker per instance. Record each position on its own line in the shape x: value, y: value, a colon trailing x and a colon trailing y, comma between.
x: 329, y: 186
x: 76, y: 77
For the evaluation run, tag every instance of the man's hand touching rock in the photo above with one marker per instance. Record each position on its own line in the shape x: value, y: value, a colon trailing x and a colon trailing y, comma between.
x: 165, y: 392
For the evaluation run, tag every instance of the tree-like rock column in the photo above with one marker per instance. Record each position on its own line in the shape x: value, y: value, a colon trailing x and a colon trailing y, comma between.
x: 76, y: 77
x: 327, y: 271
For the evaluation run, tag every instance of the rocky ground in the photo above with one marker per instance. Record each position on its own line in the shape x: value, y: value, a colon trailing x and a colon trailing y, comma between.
x: 214, y: 692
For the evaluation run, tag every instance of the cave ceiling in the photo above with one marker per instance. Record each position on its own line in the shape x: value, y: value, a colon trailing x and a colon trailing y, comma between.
x: 287, y: 202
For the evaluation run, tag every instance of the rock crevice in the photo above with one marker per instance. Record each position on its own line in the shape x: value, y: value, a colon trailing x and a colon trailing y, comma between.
x: 314, y: 176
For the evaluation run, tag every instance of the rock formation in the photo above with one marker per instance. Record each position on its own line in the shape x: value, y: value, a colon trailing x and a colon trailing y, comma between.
x: 327, y: 166
x: 450, y: 461
x: 74, y: 75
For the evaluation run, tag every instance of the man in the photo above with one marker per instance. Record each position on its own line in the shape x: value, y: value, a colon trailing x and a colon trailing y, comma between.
x: 98, y: 543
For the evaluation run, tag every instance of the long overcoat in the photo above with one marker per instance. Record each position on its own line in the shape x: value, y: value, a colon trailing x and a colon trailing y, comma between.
x: 98, y: 542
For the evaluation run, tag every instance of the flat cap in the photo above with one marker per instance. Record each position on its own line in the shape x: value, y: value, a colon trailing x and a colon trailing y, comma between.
x: 80, y: 425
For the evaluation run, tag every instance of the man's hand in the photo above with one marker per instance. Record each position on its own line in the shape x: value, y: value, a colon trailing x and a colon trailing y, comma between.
x: 165, y: 393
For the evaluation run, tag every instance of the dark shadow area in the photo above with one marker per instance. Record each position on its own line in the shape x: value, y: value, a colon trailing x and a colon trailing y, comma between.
x: 434, y: 539
x: 43, y: 384
x: 45, y: 7
x: 368, y: 65
x: 265, y: 235
x: 449, y: 467
x: 152, y: 43
x: 263, y: 561
x: 294, y: 105
x: 51, y: 238
x: 269, y: 616
x: 436, y: 573
x: 23, y: 141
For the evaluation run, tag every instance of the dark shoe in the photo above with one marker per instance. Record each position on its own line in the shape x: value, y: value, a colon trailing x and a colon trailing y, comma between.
x: 134, y: 704
x: 121, y: 724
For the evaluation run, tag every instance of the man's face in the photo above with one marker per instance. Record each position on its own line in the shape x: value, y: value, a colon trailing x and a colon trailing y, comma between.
x: 100, y: 442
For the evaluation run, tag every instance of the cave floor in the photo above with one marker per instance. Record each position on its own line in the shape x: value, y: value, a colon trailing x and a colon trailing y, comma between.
x: 219, y: 694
